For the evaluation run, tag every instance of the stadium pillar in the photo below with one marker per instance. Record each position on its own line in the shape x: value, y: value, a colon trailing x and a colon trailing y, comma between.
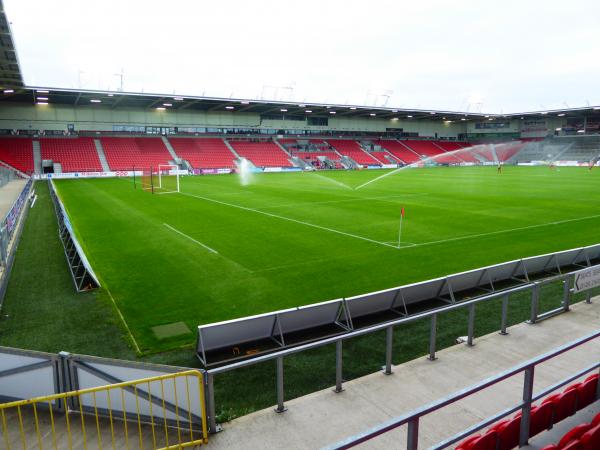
x: 504, y: 315
x: 535, y: 298
x: 280, y: 406
x: 413, y: 434
x: 389, y: 342
x: 432, y: 337
x: 338, y: 367
x: 471, y: 328
x: 526, y: 410
x: 566, y: 293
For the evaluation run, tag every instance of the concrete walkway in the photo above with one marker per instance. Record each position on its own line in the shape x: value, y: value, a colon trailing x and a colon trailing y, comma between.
x: 9, y: 193
x: 324, y: 417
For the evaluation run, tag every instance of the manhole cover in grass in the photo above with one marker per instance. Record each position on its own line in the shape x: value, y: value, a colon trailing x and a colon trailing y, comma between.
x: 170, y: 330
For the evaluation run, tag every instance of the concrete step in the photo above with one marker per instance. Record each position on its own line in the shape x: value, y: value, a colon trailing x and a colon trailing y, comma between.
x: 37, y: 157
x: 170, y: 149
x: 101, y: 155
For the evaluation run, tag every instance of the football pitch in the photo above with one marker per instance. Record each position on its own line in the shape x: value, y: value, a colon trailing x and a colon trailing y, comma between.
x: 219, y: 250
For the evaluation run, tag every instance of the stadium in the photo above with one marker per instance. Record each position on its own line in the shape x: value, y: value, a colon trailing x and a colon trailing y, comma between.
x: 175, y: 267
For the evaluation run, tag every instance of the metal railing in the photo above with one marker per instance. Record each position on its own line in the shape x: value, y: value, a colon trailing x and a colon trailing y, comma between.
x: 8, y: 224
x: 534, y: 317
x: 412, y: 418
x: 132, y: 414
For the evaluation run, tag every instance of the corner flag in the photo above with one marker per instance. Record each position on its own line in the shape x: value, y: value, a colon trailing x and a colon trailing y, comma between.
x: 400, y: 227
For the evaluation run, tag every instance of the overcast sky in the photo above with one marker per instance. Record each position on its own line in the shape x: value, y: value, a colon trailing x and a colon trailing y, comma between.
x: 493, y: 56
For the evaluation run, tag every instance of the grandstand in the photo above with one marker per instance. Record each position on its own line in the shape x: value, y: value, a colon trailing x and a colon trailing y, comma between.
x: 17, y: 152
x: 353, y: 150
x: 74, y: 154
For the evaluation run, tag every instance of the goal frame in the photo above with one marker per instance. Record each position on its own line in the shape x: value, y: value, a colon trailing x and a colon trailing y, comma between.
x: 168, y: 168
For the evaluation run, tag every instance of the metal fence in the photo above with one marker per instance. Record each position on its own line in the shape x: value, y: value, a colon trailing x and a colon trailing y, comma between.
x: 411, y: 420
x: 120, y: 415
x: 537, y: 313
x: 6, y: 175
x: 78, y: 401
x: 8, y: 224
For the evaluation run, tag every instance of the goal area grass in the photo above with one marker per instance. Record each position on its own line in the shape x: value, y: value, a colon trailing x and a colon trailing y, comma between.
x: 163, y: 281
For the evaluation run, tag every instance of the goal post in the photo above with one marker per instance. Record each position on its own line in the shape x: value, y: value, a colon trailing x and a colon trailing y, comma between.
x: 147, y: 180
x: 167, y: 179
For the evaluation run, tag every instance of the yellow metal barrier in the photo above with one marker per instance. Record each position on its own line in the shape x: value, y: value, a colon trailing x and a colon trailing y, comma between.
x: 146, y: 413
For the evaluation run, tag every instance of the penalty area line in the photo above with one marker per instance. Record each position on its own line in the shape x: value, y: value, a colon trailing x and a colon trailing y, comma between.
x: 212, y: 250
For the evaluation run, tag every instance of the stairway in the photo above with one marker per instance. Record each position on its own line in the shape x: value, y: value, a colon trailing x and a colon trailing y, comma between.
x: 281, y: 147
x: 101, y: 155
x: 231, y: 149
x: 37, y: 157
x: 171, y: 150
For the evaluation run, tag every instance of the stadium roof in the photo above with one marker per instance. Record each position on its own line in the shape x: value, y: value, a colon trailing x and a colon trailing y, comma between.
x: 10, y: 71
x: 14, y: 90
x: 115, y: 99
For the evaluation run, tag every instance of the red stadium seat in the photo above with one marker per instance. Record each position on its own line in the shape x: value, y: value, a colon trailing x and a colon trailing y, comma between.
x: 596, y: 420
x: 541, y: 418
x: 508, y: 433
x: 565, y: 404
x: 591, y: 439
x: 468, y: 443
x: 550, y: 447
x: 574, y: 434
x: 586, y: 393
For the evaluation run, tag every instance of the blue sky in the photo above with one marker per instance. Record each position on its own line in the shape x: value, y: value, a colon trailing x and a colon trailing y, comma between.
x: 503, y: 56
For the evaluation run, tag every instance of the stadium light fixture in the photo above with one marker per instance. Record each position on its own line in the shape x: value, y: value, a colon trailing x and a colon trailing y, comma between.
x: 301, y: 106
x: 463, y: 119
x: 245, y: 102
x: 432, y: 113
x: 395, y: 119
x: 178, y: 99
x: 95, y: 100
x: 42, y: 92
x: 331, y: 112
x: 111, y: 95
x: 229, y: 107
x: 352, y: 107
x: 410, y: 117
x: 308, y: 111
x: 372, y: 114
x: 561, y: 115
x: 42, y: 103
x: 160, y: 108
x: 9, y: 91
x: 581, y: 131
x: 167, y: 104
x: 559, y: 129
x: 43, y: 99
x: 596, y: 108
x: 544, y: 113
x: 283, y: 110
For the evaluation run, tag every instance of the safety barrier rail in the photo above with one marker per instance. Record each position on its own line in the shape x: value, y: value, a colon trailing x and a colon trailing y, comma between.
x: 8, y: 224
x: 533, y: 288
x: 412, y: 419
x: 167, y: 411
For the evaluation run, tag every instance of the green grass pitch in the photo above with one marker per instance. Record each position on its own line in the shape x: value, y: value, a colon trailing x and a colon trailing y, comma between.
x: 219, y: 250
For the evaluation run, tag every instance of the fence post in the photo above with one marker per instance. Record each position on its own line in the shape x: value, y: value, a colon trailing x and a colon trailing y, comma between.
x: 413, y: 434
x: 535, y: 298
x: 567, y: 293
x: 213, y: 427
x: 389, y: 342
x: 338, y: 367
x: 588, y: 297
x: 432, y: 337
x: 526, y: 410
x: 504, y: 315
x: 280, y: 406
x: 471, y: 330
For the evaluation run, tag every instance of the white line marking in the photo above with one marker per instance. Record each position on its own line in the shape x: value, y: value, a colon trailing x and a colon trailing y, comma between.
x: 191, y: 239
x: 135, y: 344
x: 339, y: 183
x: 332, y: 230
x: 353, y: 199
x: 491, y: 233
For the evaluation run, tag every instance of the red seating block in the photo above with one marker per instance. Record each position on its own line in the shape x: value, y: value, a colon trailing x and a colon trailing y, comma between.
x: 399, y: 150
x: 204, y: 153
x: 591, y: 439
x: 262, y: 154
x: 74, y: 154
x: 541, y: 418
x: 353, y: 150
x: 127, y: 153
x: 574, y: 434
x: 17, y: 152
